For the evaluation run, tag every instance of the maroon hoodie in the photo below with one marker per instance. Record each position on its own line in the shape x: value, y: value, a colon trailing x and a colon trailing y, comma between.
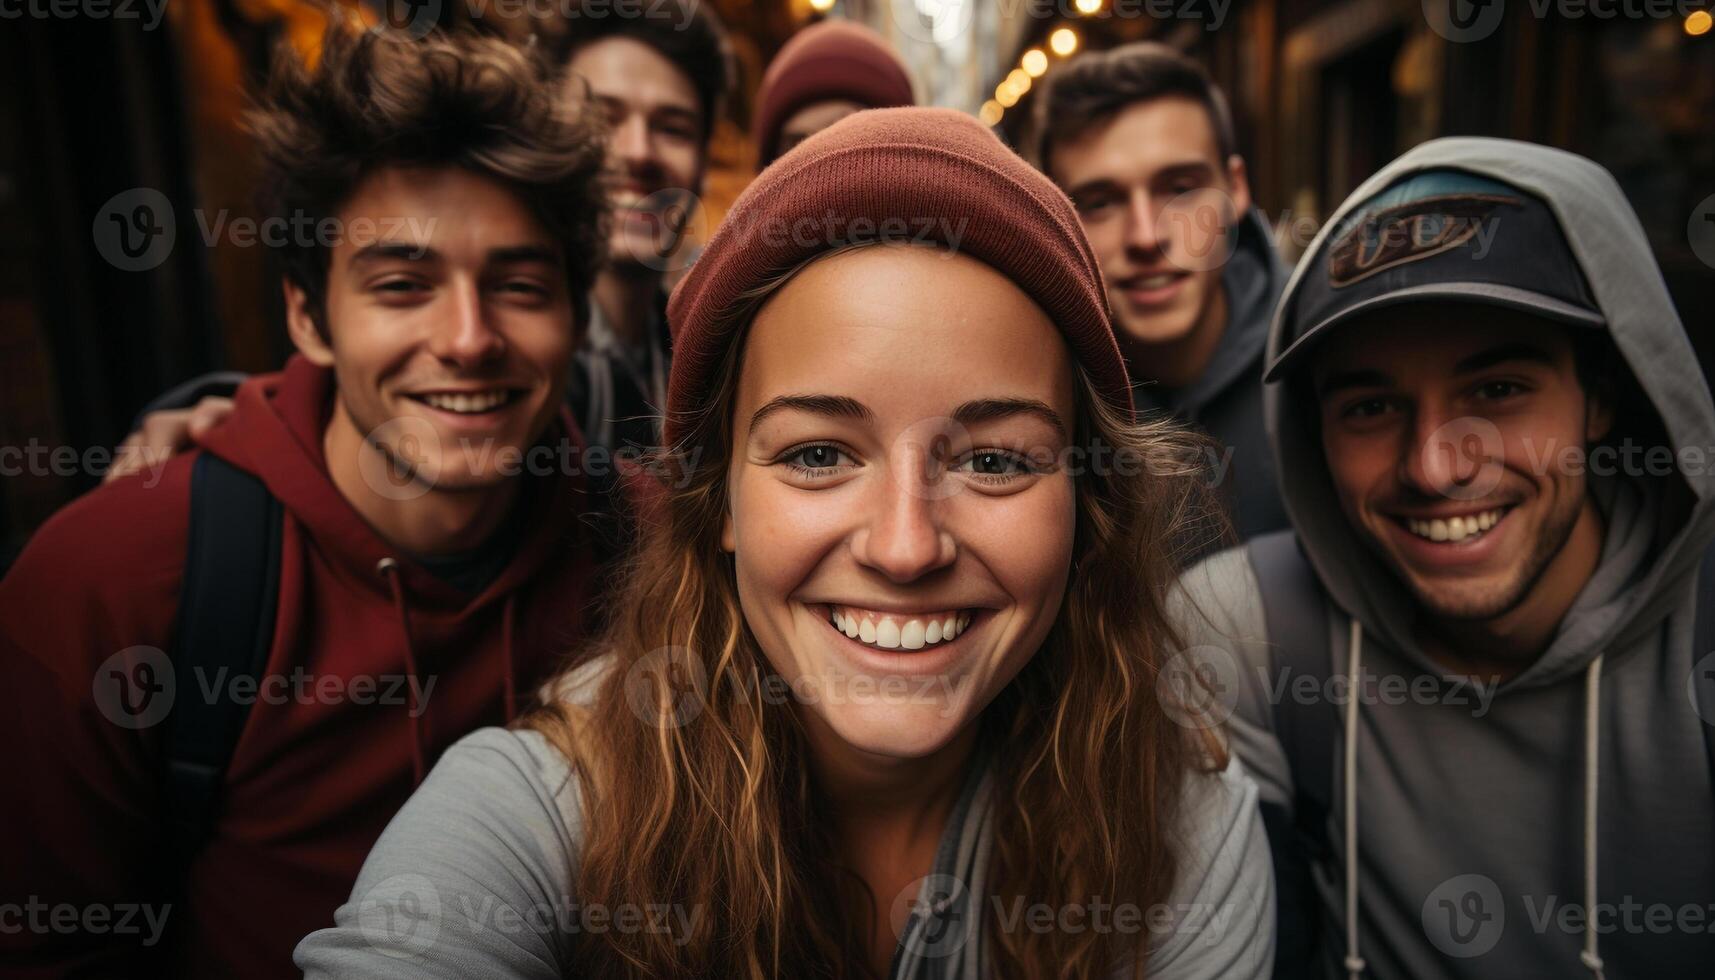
x: 315, y: 775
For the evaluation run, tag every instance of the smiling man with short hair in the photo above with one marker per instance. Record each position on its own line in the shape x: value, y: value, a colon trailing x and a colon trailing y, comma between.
x: 224, y: 684
x: 1142, y: 141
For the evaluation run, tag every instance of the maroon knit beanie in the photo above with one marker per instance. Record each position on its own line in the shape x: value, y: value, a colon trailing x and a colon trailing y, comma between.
x: 902, y: 175
x: 835, y: 59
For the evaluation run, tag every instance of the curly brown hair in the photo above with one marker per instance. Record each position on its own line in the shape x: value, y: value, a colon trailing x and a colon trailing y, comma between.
x: 378, y: 99
x: 719, y: 812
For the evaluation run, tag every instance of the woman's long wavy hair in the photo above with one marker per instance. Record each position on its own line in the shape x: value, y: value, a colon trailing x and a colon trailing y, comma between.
x: 713, y: 811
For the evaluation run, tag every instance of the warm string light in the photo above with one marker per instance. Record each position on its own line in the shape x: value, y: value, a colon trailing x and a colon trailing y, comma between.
x: 1033, y: 64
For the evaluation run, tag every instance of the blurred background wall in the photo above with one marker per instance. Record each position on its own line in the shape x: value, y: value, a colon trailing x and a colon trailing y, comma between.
x: 123, y: 116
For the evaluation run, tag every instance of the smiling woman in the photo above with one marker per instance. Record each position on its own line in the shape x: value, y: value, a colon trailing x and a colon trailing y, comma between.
x: 885, y: 690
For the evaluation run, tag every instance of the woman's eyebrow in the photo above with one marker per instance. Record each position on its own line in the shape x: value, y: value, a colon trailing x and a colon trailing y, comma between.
x: 989, y: 409
x: 833, y: 406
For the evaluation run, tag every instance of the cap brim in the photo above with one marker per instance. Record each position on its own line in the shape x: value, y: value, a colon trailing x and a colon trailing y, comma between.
x: 1479, y: 293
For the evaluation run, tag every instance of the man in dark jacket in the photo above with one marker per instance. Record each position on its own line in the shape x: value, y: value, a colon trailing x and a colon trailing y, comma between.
x: 1142, y: 141
x: 431, y: 568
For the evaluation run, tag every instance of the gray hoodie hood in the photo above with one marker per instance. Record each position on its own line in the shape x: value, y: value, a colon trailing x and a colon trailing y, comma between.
x: 1657, y: 527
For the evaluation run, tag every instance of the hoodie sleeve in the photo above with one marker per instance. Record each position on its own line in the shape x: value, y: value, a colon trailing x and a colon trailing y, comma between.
x: 473, y: 878
x: 1222, y: 907
x: 85, y: 615
x: 1217, y: 608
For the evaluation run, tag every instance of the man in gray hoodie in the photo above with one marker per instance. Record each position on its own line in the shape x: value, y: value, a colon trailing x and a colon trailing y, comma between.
x: 1141, y: 139
x: 1471, y: 682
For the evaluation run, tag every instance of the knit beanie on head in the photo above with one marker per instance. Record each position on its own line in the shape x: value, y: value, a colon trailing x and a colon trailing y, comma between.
x: 895, y: 175
x: 835, y: 59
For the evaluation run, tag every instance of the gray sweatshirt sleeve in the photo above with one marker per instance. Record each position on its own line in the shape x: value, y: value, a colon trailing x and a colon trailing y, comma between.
x: 473, y: 876
x: 1220, y: 917
x: 1217, y: 608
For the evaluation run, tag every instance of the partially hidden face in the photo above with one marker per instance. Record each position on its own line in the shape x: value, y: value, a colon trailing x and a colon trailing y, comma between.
x: 901, y: 518
x: 1156, y: 200
x: 449, y: 325
x: 655, y: 146
x: 812, y: 119
x: 1448, y: 431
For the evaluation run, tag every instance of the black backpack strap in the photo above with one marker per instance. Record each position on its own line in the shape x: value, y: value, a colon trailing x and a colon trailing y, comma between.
x: 1298, y: 633
x: 1300, y: 638
x: 226, y: 622
x: 187, y: 395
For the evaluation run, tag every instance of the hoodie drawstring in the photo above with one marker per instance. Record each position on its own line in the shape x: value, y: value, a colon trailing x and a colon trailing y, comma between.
x: 1354, y: 963
x: 389, y: 570
x: 1591, y: 959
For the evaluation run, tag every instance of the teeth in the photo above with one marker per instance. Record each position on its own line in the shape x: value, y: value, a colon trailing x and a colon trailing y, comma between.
x: 912, y: 634
x: 887, y: 635
x: 1455, y: 528
x: 482, y: 401
x: 1155, y: 282
x: 892, y: 632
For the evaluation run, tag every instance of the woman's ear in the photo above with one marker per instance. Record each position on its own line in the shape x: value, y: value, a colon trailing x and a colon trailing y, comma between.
x: 301, y: 326
x: 729, y: 541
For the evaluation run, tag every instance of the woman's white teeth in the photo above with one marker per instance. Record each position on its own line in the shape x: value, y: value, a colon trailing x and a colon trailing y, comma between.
x: 1156, y: 282
x: 887, y: 634
x: 890, y: 631
x: 473, y: 403
x: 1455, y: 528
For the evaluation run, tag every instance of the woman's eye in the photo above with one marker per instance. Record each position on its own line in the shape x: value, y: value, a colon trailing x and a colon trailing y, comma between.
x: 994, y: 463
x: 813, y: 458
